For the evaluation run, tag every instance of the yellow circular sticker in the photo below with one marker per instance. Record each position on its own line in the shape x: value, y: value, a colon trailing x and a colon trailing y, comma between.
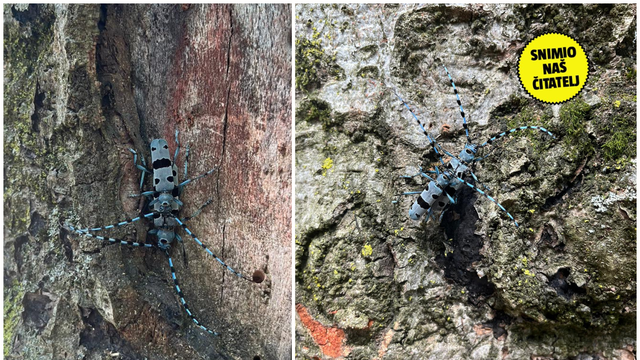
x: 553, y: 68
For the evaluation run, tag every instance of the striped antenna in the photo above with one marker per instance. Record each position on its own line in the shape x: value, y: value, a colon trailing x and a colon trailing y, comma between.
x: 540, y: 128
x: 257, y: 277
x: 111, y: 240
x: 424, y: 131
x: 181, y: 296
x: 455, y: 91
x: 491, y: 199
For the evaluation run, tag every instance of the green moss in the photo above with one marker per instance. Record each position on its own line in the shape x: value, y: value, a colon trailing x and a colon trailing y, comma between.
x: 315, y: 110
x: 308, y: 55
x: 529, y: 115
x: 574, y: 116
x: 631, y: 74
x: 313, y: 65
x: 12, y: 309
x: 623, y: 141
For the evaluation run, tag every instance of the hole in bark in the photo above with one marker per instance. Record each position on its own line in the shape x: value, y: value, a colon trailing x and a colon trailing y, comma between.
x: 259, y: 276
x: 549, y: 237
x: 36, y: 312
x: 498, y: 324
x: 562, y: 286
x: 98, y: 335
x: 459, y: 225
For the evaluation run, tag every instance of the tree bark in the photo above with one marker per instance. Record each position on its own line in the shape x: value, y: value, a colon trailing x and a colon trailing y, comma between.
x: 373, y: 284
x: 83, y: 84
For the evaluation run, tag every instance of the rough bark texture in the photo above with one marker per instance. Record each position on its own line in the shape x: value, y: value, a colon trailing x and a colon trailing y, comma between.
x: 83, y: 83
x: 370, y: 283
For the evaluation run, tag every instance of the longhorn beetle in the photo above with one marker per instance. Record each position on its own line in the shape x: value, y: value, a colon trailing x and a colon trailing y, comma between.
x: 442, y: 190
x: 165, y: 206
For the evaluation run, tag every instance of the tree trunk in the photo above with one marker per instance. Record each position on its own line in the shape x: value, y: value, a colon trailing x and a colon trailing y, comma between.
x: 83, y: 84
x: 373, y: 284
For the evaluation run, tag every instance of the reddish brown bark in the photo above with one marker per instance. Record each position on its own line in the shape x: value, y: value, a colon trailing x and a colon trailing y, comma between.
x: 330, y: 339
x: 117, y: 76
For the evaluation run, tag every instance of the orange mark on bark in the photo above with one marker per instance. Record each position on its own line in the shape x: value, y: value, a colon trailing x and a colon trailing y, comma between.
x: 445, y: 129
x: 329, y: 339
x: 482, y: 330
x: 384, y: 345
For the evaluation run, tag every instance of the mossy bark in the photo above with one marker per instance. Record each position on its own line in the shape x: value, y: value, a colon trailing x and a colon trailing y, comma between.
x: 83, y: 84
x: 471, y: 286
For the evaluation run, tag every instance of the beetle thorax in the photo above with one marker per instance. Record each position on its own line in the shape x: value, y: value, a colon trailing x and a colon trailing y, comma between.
x: 165, y: 238
x: 469, y: 152
x: 165, y: 202
x: 443, y: 179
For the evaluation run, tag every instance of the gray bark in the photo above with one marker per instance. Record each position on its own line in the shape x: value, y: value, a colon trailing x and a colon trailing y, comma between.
x: 83, y: 83
x: 370, y: 282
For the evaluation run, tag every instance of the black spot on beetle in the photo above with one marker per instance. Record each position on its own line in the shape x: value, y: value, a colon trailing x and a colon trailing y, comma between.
x: 423, y: 204
x: 170, y: 179
x: 161, y: 163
